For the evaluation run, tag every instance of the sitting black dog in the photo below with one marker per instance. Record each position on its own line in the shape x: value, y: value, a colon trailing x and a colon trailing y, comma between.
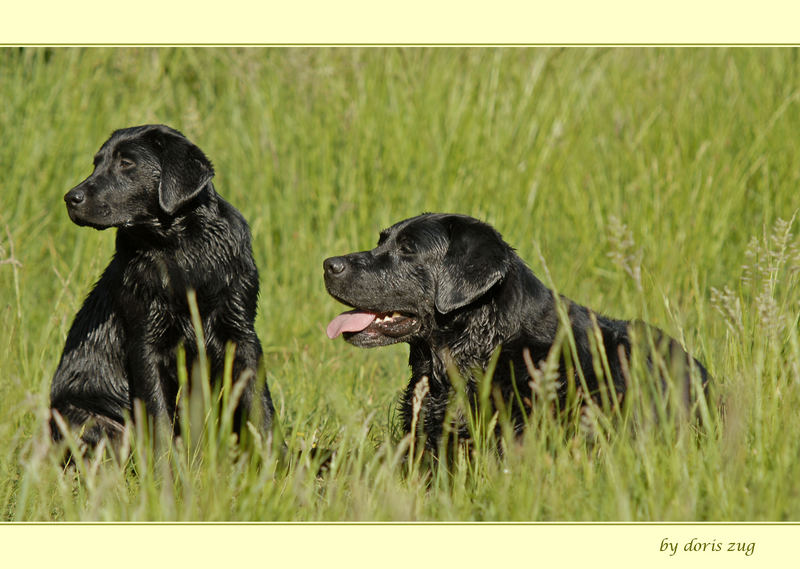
x: 450, y: 287
x: 175, y: 234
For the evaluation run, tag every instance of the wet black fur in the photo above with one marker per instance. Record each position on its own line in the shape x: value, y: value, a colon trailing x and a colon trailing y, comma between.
x: 174, y: 233
x: 470, y: 293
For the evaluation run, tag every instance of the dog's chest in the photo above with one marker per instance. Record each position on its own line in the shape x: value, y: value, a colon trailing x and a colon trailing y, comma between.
x: 170, y: 276
x: 467, y: 345
x: 155, y: 294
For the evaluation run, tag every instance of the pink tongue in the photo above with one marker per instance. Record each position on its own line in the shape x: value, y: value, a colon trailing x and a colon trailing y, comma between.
x: 353, y: 321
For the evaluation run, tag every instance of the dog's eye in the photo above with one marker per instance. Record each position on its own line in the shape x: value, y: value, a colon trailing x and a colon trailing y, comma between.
x: 125, y: 163
x: 406, y: 247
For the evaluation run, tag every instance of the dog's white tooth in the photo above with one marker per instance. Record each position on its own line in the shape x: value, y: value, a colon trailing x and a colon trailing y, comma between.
x: 396, y: 315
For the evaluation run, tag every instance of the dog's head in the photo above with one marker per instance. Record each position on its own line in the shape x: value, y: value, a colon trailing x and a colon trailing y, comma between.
x: 423, y: 268
x: 141, y: 174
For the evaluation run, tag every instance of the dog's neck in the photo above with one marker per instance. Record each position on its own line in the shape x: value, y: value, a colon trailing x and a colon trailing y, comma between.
x: 166, y: 231
x: 485, y: 324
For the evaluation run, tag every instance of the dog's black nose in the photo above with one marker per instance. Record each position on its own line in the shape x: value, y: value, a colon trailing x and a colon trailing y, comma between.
x: 334, y: 265
x: 75, y: 197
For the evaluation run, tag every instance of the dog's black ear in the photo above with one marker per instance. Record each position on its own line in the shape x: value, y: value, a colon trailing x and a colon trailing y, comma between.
x: 185, y: 170
x: 477, y: 258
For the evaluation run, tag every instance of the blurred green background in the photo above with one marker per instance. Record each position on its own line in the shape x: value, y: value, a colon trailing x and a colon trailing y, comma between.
x: 592, y: 163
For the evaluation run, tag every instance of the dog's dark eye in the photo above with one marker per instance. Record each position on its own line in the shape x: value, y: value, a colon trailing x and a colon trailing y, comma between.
x: 406, y: 247
x: 125, y: 163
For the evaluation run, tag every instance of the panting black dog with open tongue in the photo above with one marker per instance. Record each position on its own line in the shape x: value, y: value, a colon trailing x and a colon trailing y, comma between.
x: 450, y: 287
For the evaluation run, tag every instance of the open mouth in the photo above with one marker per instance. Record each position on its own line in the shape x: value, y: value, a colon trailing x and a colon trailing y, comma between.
x: 362, y: 327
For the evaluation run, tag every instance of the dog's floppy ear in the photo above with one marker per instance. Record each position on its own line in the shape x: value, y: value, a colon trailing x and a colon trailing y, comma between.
x: 185, y: 170
x: 477, y: 258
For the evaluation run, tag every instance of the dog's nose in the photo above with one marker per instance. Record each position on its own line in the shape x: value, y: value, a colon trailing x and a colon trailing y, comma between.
x: 75, y: 197
x: 334, y: 266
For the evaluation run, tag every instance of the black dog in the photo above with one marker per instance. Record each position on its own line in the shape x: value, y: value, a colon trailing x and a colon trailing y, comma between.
x: 450, y: 287
x: 175, y: 234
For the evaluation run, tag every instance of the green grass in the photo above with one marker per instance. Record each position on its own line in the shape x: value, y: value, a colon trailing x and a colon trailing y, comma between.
x: 681, y: 165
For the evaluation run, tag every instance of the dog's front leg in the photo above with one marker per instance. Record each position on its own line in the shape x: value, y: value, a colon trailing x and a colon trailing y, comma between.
x: 147, y: 384
x: 255, y: 402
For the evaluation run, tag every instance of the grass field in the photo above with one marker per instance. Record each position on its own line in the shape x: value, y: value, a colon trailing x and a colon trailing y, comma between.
x: 599, y: 165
